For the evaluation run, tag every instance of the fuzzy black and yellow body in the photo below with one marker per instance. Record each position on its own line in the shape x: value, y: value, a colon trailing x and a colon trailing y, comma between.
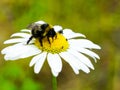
x: 41, y: 31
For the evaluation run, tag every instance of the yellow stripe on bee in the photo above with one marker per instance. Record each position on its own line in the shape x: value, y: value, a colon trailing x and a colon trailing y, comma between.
x: 47, y: 29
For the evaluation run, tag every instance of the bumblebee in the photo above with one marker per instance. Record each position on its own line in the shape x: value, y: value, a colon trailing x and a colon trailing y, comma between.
x: 41, y: 31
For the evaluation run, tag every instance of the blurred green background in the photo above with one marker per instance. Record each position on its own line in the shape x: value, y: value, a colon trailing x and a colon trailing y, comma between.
x: 99, y: 20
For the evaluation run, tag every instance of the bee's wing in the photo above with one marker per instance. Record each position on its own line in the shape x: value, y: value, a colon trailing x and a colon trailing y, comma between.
x: 30, y: 26
x: 40, y: 22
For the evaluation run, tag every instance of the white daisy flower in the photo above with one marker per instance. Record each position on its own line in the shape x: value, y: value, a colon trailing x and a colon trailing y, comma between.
x: 68, y: 45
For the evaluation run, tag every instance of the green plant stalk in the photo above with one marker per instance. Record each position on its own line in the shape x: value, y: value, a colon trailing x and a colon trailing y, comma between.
x: 54, y: 82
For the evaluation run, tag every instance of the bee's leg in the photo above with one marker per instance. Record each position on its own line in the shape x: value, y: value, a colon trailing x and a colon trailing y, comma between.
x: 48, y: 39
x: 40, y: 40
x: 55, y: 36
x: 29, y: 39
x: 51, y: 34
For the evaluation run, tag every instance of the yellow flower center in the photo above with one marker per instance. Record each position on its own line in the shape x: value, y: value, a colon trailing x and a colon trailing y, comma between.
x: 58, y: 44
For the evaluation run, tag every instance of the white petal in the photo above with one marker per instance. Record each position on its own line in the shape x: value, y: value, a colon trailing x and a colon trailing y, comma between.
x: 10, y: 48
x: 36, y: 58
x: 24, y: 35
x: 82, y: 58
x: 86, y: 51
x: 90, y: 53
x: 83, y: 43
x: 55, y: 73
x: 15, y: 40
x: 74, y: 62
x: 40, y: 22
x: 26, y: 30
x: 18, y: 51
x: 54, y: 62
x: 69, y: 60
x: 68, y: 33
x: 39, y: 61
x: 57, y: 28
x: 29, y: 50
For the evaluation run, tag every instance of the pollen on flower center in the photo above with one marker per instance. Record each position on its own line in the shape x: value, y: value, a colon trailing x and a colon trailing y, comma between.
x: 57, y: 44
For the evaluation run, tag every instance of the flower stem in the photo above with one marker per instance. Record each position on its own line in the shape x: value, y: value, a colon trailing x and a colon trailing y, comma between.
x: 54, y: 82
